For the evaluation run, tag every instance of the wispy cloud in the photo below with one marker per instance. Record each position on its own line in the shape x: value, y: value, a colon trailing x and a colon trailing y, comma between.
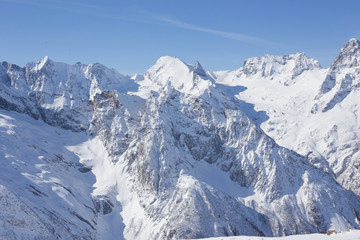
x: 139, y: 15
x: 224, y: 34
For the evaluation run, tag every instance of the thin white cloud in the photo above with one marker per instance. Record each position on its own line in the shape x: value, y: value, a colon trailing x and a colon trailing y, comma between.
x: 138, y: 15
x: 229, y: 35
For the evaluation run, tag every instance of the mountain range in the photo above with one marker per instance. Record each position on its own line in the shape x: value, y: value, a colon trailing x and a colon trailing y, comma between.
x: 180, y: 152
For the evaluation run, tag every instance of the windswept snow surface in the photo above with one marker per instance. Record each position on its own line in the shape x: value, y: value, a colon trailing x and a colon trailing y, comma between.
x: 43, y: 192
x: 57, y: 183
x: 270, y: 149
x: 351, y: 235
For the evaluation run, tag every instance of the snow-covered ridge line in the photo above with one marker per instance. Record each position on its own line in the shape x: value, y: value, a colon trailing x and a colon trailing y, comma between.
x: 59, y: 93
x: 180, y: 152
x: 316, y: 113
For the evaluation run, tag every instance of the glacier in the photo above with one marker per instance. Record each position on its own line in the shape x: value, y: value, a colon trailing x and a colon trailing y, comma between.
x: 180, y: 152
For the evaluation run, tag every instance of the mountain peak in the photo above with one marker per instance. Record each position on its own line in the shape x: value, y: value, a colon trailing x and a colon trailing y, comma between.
x: 45, y: 58
x: 169, y: 64
x: 349, y: 55
x: 350, y: 47
x: 171, y: 71
x: 352, y: 43
x: 198, y: 69
x: 40, y: 64
x: 43, y: 61
x: 168, y: 60
x: 269, y: 65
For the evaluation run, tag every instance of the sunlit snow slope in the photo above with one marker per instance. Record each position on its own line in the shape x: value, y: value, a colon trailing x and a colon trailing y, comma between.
x: 311, y: 110
x: 352, y: 235
x: 179, y: 152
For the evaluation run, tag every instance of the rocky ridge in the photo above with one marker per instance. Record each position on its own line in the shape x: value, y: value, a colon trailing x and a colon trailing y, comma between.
x: 175, y: 146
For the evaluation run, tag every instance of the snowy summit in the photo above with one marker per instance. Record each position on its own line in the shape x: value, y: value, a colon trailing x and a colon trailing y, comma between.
x: 270, y: 149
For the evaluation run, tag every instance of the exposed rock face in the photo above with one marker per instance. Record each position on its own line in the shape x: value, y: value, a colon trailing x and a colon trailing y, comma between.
x: 58, y: 93
x: 199, y: 70
x: 339, y: 95
x: 317, y: 115
x: 342, y: 77
x: 170, y: 155
x: 289, y: 66
x: 181, y: 130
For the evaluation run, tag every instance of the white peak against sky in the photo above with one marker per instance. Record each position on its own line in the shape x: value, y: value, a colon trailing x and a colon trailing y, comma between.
x: 180, y: 152
x: 129, y: 36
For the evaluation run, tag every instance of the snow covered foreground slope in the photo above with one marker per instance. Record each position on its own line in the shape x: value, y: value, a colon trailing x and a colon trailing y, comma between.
x: 171, y: 154
x: 352, y: 235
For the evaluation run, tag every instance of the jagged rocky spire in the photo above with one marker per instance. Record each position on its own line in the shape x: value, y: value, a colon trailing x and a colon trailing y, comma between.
x: 198, y: 69
x: 349, y: 56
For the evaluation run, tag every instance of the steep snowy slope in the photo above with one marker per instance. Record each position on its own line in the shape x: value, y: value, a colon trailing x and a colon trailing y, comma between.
x: 44, y: 190
x: 317, y: 115
x: 168, y: 155
x: 190, y: 134
x: 338, y: 100
x: 190, y: 122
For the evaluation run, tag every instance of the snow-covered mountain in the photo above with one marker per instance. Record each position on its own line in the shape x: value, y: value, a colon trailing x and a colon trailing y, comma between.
x: 179, y: 152
x: 317, y: 116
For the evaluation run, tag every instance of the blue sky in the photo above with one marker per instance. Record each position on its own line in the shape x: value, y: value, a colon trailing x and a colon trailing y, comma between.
x: 131, y: 35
